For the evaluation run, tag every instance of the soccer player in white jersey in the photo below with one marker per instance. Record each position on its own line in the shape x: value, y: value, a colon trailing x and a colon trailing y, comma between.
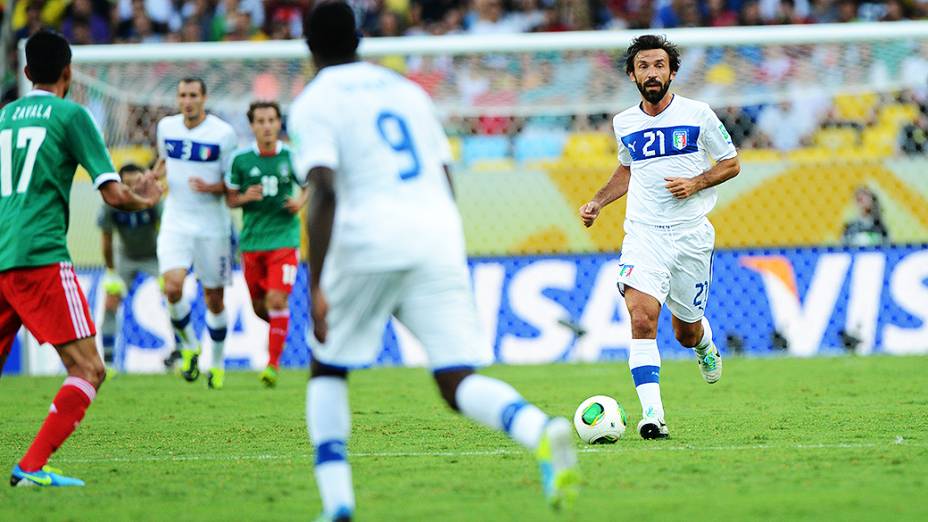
x: 196, y: 228
x: 387, y: 239
x: 665, y: 146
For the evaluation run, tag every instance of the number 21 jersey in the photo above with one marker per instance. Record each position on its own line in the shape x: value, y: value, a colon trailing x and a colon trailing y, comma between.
x: 676, y: 143
x: 380, y: 134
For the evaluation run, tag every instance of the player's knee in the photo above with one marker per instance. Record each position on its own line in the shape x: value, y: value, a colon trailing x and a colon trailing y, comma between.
x: 91, y: 370
x: 112, y: 303
x: 260, y: 310
x: 448, y: 382
x: 318, y: 369
x: 644, y: 324
x: 173, y: 290
x: 276, y: 301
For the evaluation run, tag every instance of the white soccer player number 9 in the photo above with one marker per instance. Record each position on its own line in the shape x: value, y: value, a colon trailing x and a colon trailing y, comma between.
x: 660, y: 142
x: 395, y: 133
x: 31, y: 137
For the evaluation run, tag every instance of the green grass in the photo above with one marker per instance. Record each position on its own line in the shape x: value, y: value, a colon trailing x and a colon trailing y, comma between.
x: 784, y: 439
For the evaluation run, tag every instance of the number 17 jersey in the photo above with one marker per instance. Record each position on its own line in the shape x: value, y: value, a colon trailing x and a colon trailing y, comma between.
x: 380, y: 134
x: 43, y: 139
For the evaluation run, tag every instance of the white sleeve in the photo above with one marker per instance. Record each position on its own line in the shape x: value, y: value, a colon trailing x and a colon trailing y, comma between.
x: 314, y: 135
x: 227, y: 154
x: 715, y: 138
x: 162, y: 153
x: 625, y: 157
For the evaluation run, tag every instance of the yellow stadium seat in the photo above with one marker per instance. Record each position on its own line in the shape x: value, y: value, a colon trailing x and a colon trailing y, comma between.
x: 898, y: 114
x: 585, y: 144
x: 132, y: 154
x: 759, y: 155
x: 880, y: 140
x: 858, y: 108
x: 836, y: 138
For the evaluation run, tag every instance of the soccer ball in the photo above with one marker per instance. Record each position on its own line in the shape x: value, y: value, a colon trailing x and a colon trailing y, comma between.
x: 600, y: 420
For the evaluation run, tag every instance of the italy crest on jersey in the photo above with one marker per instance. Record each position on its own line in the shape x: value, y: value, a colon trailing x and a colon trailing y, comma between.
x: 679, y: 139
x: 205, y: 153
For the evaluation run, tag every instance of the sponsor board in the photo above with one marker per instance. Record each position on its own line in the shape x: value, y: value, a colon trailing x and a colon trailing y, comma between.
x: 567, y: 308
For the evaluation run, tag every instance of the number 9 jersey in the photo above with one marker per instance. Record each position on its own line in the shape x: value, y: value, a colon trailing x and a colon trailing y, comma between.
x: 674, y: 144
x: 380, y: 133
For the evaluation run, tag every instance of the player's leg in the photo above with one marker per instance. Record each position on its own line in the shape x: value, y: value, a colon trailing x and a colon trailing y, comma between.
x: 9, y: 325
x: 175, y: 256
x: 255, y: 271
x: 359, y: 307
x: 115, y: 287
x: 437, y: 306
x: 281, y: 274
x: 644, y: 281
x: 44, y: 296
x: 689, y: 295
x: 213, y: 266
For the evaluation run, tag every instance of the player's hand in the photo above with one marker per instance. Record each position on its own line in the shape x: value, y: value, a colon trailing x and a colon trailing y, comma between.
x: 319, y: 309
x: 198, y: 185
x: 149, y: 188
x: 294, y: 205
x: 159, y: 169
x: 682, y: 188
x: 113, y: 284
x: 589, y: 213
x: 254, y: 193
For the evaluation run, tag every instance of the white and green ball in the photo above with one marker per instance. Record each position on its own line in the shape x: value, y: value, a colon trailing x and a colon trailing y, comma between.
x: 600, y: 420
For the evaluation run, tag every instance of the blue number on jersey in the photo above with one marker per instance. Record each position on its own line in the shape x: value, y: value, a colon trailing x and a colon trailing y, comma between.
x: 188, y: 150
x: 660, y: 142
x: 395, y: 132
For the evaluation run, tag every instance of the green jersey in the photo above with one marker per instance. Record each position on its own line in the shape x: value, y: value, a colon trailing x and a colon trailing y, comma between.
x: 43, y: 139
x: 267, y: 224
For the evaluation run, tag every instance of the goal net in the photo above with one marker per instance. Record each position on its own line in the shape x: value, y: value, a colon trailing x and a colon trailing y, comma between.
x: 830, y: 122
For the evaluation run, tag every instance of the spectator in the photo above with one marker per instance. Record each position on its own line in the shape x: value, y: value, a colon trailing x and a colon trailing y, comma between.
x: 895, y: 11
x: 847, y: 11
x: 34, y: 21
x: 242, y: 28
x: 750, y: 14
x: 867, y: 228
x: 488, y: 18
x: 719, y: 15
x: 81, y: 12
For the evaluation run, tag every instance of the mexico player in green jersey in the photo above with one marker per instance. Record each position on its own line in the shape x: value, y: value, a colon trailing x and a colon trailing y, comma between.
x: 263, y: 182
x: 43, y: 138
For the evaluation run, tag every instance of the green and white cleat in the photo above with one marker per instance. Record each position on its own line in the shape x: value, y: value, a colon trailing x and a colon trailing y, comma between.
x: 710, y: 364
x: 269, y: 377
x: 189, y: 364
x: 557, y: 460
x: 216, y: 378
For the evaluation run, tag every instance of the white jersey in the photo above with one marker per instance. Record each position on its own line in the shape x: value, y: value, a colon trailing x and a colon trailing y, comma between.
x: 204, y: 151
x: 380, y: 134
x: 675, y: 143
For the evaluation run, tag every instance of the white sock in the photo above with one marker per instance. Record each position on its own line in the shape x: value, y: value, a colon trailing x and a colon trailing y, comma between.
x: 183, y: 326
x: 328, y: 420
x: 706, y: 341
x: 644, y: 359
x: 216, y: 324
x: 498, y: 405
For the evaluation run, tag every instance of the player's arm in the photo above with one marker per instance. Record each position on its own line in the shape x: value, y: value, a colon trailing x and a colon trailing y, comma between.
x: 320, y: 220
x: 105, y: 222
x: 295, y: 203
x: 615, y: 188
x: 236, y: 199
x: 724, y: 170
x: 716, y: 141
x: 118, y: 195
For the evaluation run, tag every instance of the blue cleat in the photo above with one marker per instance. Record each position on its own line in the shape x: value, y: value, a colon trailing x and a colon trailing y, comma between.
x: 342, y: 514
x: 45, y: 477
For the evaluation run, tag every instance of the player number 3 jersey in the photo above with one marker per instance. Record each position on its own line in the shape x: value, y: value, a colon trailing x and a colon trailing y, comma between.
x: 43, y: 139
x: 678, y: 142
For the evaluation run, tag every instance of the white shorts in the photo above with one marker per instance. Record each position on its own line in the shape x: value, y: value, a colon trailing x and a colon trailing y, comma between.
x: 435, y: 303
x: 210, y: 257
x: 671, y: 263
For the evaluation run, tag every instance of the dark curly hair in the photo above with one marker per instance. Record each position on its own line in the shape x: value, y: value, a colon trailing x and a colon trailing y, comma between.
x: 648, y: 42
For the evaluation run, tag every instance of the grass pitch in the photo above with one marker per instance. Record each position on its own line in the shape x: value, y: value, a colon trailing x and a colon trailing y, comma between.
x: 784, y: 439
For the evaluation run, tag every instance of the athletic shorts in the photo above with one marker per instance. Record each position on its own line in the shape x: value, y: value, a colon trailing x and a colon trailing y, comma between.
x: 270, y: 270
x: 128, y: 269
x: 434, y: 301
x: 210, y: 257
x: 48, y: 301
x: 672, y: 263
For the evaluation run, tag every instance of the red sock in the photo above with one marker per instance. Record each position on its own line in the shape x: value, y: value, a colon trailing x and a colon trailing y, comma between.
x: 65, y: 414
x: 279, y: 319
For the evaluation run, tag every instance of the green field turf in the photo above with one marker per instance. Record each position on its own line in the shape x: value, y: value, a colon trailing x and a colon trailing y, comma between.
x: 776, y: 439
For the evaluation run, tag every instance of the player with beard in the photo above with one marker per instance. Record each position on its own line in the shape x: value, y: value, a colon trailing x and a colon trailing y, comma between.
x: 665, y: 145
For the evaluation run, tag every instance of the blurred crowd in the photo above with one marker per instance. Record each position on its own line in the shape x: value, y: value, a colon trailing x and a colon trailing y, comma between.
x: 144, y: 21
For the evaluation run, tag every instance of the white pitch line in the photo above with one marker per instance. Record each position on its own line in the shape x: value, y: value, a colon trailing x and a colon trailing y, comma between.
x: 485, y: 453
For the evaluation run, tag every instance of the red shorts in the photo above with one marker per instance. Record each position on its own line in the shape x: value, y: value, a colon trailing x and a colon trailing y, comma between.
x: 270, y: 270
x: 48, y: 301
